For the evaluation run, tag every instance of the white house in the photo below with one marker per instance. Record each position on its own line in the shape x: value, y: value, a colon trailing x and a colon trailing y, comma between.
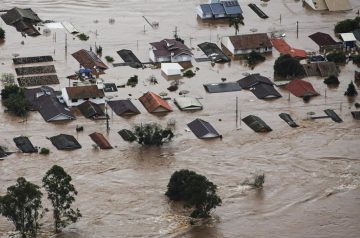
x: 331, y: 5
x: 169, y: 50
x: 74, y: 96
x: 171, y: 69
x: 244, y: 44
x: 349, y: 40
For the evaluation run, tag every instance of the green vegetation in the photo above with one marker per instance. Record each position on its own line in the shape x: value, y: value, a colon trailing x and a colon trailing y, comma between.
x: 83, y: 37
x: 22, y: 206
x: 2, y: 34
x: 189, y: 73
x: 109, y: 59
x: 356, y: 59
x: 254, y: 57
x: 337, y: 57
x: 259, y: 180
x: 234, y: 22
x: 152, y: 134
x: 347, y: 25
x: 332, y: 80
x: 351, y: 90
x: 62, y: 194
x: 132, y: 81
x: 195, y: 190
x: 288, y: 67
x: 44, y: 151
x: 7, y: 79
x: 13, y: 98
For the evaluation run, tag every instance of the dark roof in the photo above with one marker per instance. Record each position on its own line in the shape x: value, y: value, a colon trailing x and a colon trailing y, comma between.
x: 127, y: 135
x: 129, y: 57
x: 264, y: 91
x: 35, y: 70
x: 356, y: 115
x: 323, y: 69
x: 232, y: 7
x: 287, y: 118
x: 32, y: 60
x: 24, y: 144
x: 205, y: 8
x: 100, y: 140
x: 38, y: 80
x: 322, y: 39
x: 252, y: 80
x: 20, y: 14
x: 123, y: 107
x: 153, y: 102
x: 81, y: 92
x: 213, y: 52
x: 301, y: 88
x: 357, y: 34
x: 203, y: 129
x: 250, y: 41
x: 91, y: 110
x: 256, y: 123
x: 222, y: 87
x: 217, y: 8
x: 65, y: 142
x: 332, y: 114
x: 89, y: 59
x: 258, y: 11
x: 110, y: 87
x: 3, y: 153
x: 166, y: 47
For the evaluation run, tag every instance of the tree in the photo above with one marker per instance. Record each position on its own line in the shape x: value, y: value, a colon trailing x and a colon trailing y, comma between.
x: 351, y: 90
x: 234, y: 22
x: 332, y: 80
x: 7, y: 79
x: 22, y: 205
x: 132, y: 81
x: 2, y: 34
x: 152, y: 134
x: 347, y: 25
x: 62, y: 194
x: 356, y: 59
x: 254, y: 57
x: 195, y: 190
x: 13, y: 98
x: 287, y: 66
x: 337, y: 57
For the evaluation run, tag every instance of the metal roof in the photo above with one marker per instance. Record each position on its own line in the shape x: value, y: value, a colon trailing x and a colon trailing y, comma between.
x: 217, y: 8
x: 264, y: 91
x: 100, y: 140
x: 348, y: 37
x: 188, y: 103
x: 65, y: 142
x: 222, y: 87
x: 252, y: 80
x: 205, y: 8
x: 123, y: 107
x: 24, y: 144
x: 232, y: 7
x: 203, y: 129
x: 256, y: 123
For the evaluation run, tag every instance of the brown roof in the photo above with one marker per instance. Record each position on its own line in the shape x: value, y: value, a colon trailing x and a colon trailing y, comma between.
x: 89, y: 59
x: 165, y: 47
x: 284, y: 48
x: 301, y: 88
x: 250, y: 41
x: 152, y: 102
x: 100, y: 140
x: 82, y: 92
x: 322, y: 39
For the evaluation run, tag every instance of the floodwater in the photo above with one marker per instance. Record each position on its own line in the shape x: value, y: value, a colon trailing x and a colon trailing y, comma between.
x: 312, y: 172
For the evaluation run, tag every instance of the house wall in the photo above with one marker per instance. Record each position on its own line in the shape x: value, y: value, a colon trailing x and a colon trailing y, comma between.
x: 202, y: 15
x: 227, y: 43
x: 220, y: 16
x: 181, y: 58
x: 248, y: 51
x: 158, y: 59
x: 70, y: 103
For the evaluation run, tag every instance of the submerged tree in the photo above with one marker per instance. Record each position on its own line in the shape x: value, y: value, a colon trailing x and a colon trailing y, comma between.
x: 351, y: 90
x: 195, y: 190
x: 22, y: 206
x: 62, y: 194
x: 13, y: 98
x: 152, y: 134
x: 2, y: 34
x: 332, y: 80
x: 337, y: 57
x: 287, y: 66
x: 235, y: 22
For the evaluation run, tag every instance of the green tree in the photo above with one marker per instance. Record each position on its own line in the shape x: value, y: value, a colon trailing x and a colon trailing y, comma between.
x: 235, y: 22
x: 356, y: 59
x: 7, y: 79
x: 13, y: 98
x: 195, y: 190
x: 254, y: 57
x: 8, y: 90
x: 347, y: 25
x: 288, y: 67
x: 132, y: 81
x: 351, y: 90
x: 2, y: 34
x: 22, y: 206
x: 332, y: 80
x: 62, y: 194
x: 152, y: 134
x: 337, y: 57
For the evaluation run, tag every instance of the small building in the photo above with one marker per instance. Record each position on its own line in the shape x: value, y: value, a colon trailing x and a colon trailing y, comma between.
x: 154, y: 103
x: 65, y: 142
x: 127, y: 135
x: 203, y: 129
x: 23, y: 19
x: 265, y: 91
x: 91, y: 110
x: 169, y: 50
x: 219, y: 10
x: 89, y: 59
x: 171, y: 69
x: 188, y: 103
x: 256, y: 123
x: 100, y: 140
x: 325, y: 42
x: 287, y: 118
x: 301, y: 88
x: 349, y: 40
x: 74, y: 96
x: 222, y: 87
x: 330, y: 5
x: 213, y: 52
x: 24, y: 144
x: 321, y: 69
x: 252, y: 80
x: 357, y: 36
x: 245, y: 44
x: 123, y: 107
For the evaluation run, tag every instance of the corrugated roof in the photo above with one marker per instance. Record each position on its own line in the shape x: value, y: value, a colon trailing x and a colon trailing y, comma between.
x: 301, y: 88
x: 166, y: 47
x: 100, y: 140
x: 188, y: 103
x: 265, y: 91
x: 24, y: 144
x: 256, y: 123
x: 205, y: 8
x: 348, y: 37
x: 65, y: 142
x: 81, y: 92
x: 123, y: 107
x: 323, y: 39
x: 232, y: 7
x: 203, y: 129
x: 338, y: 5
x: 154, y: 103
x: 217, y: 8
x: 127, y: 135
x: 89, y: 59
x: 252, y: 80
x: 250, y: 41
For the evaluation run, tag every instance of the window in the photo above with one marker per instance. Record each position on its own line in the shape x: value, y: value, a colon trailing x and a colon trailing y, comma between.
x: 74, y: 100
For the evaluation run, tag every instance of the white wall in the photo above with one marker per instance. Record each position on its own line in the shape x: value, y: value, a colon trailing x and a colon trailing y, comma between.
x: 70, y: 103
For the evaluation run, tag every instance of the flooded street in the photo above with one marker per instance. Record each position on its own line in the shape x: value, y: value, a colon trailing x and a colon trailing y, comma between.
x: 312, y: 185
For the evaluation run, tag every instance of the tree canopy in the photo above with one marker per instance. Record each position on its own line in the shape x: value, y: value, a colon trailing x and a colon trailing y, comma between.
x: 22, y: 206
x: 337, y: 57
x: 347, y: 25
x: 13, y: 98
x: 235, y: 22
x: 351, y: 90
x: 195, y: 190
x: 2, y: 34
x: 152, y: 134
x: 288, y: 67
x: 62, y: 194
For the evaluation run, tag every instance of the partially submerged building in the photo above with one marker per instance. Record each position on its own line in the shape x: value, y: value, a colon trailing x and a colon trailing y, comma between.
x: 65, y: 142
x: 321, y: 69
x: 90, y: 60
x: 245, y: 44
x: 154, y: 103
x: 23, y: 19
x: 188, y: 103
x: 331, y: 5
x: 74, y: 96
x: 256, y: 123
x: 100, y: 141
x: 287, y: 118
x: 325, y: 41
x: 123, y: 107
x: 24, y: 144
x: 127, y: 135
x: 301, y: 88
x: 262, y: 87
x: 169, y: 50
x: 348, y: 39
x: 91, y: 110
x: 219, y: 10
x: 203, y: 129
x: 213, y: 52
x: 285, y: 49
x: 222, y: 87
x: 171, y: 69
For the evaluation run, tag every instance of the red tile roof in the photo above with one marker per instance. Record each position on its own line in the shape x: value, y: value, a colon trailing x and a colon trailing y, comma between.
x: 100, y: 140
x: 284, y: 48
x: 250, y: 41
x: 301, y: 88
x: 166, y: 47
x: 89, y: 59
x: 152, y: 102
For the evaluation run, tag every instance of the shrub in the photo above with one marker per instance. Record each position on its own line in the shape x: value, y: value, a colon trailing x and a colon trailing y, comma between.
x: 195, y: 190
x: 189, y: 73
x: 109, y: 59
x: 44, y: 151
x: 253, y: 58
x: 347, y: 25
x: 7, y: 79
x: 287, y: 66
x: 152, y: 134
x: 356, y: 59
x: 13, y: 98
x: 332, y: 80
x: 2, y: 34
x: 337, y: 57
x: 132, y: 81
x: 351, y: 90
x: 259, y: 181
x: 83, y: 37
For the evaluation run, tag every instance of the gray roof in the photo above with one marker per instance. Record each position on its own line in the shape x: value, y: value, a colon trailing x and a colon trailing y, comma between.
x: 188, y: 103
x: 214, y: 52
x: 332, y: 114
x: 256, y: 124
x: 91, y: 110
x: 123, y: 107
x: 19, y: 14
x: 65, y: 142
x: 203, y: 129
x: 24, y: 144
x: 356, y: 115
x: 206, y: 9
x: 217, y: 8
x: 127, y: 135
x: 232, y: 7
x: 287, y: 118
x: 252, y: 80
x: 222, y: 87
x: 264, y: 91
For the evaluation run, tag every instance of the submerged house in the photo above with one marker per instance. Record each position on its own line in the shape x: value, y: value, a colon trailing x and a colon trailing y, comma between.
x: 321, y: 69
x: 74, y: 96
x: 127, y: 135
x: 203, y: 129
x: 100, y: 140
x: 285, y: 49
x: 331, y: 5
x: 262, y: 87
x: 154, y: 103
x: 65, y: 142
x: 123, y: 107
x: 301, y: 88
x: 169, y: 50
x: 219, y: 9
x: 325, y: 41
x: 188, y: 103
x: 256, y: 123
x: 245, y: 44
x: 213, y: 52
x: 24, y: 144
x: 23, y: 19
x: 91, y: 110
x: 90, y: 60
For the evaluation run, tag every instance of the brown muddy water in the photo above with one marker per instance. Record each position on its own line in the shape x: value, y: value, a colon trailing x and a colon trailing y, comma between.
x: 312, y: 172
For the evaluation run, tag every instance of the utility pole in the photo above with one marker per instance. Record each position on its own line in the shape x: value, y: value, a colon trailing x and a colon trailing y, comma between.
x: 236, y: 112
x: 297, y: 29
x: 65, y: 43
x: 280, y: 19
x: 176, y: 32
